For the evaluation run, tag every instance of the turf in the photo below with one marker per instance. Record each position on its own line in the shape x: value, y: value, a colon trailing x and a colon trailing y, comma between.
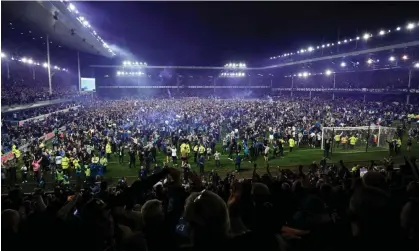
x: 299, y: 156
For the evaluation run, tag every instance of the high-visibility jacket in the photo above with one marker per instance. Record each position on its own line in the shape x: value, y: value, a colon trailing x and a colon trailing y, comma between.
x: 87, y: 171
x: 108, y: 148
x: 195, y: 148
x: 103, y: 161
x: 59, y: 175
x: 65, y: 162
x: 337, y: 137
x: 291, y: 142
x: 352, y: 140
x: 95, y: 160
x: 399, y: 142
x: 343, y: 140
x: 201, y: 149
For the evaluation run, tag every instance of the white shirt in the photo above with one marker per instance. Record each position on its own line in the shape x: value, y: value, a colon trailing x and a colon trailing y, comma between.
x: 217, y: 156
x: 173, y: 150
x: 58, y: 159
x: 266, y: 149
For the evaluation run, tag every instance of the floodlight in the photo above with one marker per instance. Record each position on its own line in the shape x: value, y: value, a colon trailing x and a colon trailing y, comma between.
x: 24, y: 60
x: 410, y: 26
x: 328, y: 45
x: 318, y: 47
x: 118, y: 73
x: 391, y: 58
x: 71, y: 6
x: 343, y: 64
x: 357, y: 38
x: 81, y: 18
x: 45, y: 65
x: 370, y: 61
x: 398, y: 28
x: 366, y: 36
x: 244, y: 65
x: 323, y: 46
x: 305, y: 74
x: 345, y: 41
x: 55, y: 67
x: 338, y: 42
x: 328, y: 72
x: 416, y: 65
x: 405, y: 57
x: 128, y: 63
x: 299, y: 74
x: 3, y: 55
x: 310, y: 49
x: 382, y: 32
x: 85, y: 23
x: 30, y: 61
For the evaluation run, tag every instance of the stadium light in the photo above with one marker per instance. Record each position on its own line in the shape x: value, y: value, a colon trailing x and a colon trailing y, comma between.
x: 45, y: 65
x: 72, y: 7
x: 382, y: 32
x: 398, y: 28
x: 343, y: 64
x: 24, y: 60
x: 30, y: 61
x: 3, y: 55
x: 405, y: 57
x: 305, y: 74
x: 416, y: 65
x: 366, y: 36
x: 310, y: 49
x: 328, y: 72
x: 391, y: 59
x: 370, y: 61
x: 410, y: 26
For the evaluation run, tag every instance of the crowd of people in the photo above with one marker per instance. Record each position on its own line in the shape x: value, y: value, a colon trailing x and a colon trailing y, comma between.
x: 324, y: 207
x: 171, y: 206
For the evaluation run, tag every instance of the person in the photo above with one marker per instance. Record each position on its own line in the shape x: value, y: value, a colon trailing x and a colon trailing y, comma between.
x: 65, y: 162
x: 343, y: 142
x: 217, y: 159
x: 36, y: 165
x: 352, y: 142
x: 59, y: 175
x: 291, y: 143
x: 327, y: 148
x: 108, y: 151
x: 238, y: 162
x: 121, y: 155
x: 104, y: 162
x: 409, y: 144
x: 24, y: 171
x: 266, y: 153
x: 173, y: 151
x: 201, y: 161
x: 337, y: 140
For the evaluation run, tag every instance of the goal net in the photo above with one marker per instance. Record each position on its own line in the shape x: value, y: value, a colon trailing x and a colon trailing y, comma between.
x: 359, y: 138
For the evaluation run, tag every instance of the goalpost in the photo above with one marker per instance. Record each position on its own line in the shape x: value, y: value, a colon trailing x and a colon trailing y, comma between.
x: 367, y: 137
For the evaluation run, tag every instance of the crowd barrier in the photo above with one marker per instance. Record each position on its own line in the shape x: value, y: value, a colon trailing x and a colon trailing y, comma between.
x: 48, y: 136
x: 44, y: 116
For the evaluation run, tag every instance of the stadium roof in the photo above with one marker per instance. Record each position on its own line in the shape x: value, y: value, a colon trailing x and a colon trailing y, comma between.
x: 57, y: 20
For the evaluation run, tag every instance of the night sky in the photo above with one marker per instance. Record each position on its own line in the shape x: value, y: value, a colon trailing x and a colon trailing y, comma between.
x: 210, y: 33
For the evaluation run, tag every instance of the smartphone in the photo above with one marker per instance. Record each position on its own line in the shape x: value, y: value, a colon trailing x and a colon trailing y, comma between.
x: 75, y: 212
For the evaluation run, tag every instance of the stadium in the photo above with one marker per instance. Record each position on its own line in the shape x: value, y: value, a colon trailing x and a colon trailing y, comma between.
x: 168, y: 132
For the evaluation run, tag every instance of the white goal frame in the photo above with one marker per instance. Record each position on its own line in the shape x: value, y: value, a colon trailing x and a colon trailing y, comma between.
x: 345, y: 128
